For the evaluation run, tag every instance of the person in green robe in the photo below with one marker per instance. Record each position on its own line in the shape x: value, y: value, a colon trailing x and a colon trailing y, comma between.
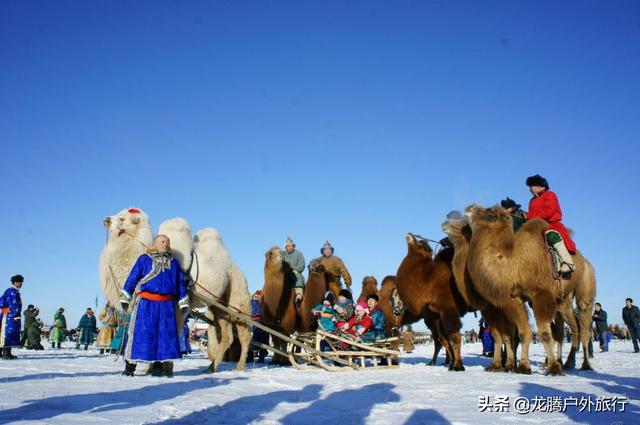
x: 59, y: 328
x: 87, y: 328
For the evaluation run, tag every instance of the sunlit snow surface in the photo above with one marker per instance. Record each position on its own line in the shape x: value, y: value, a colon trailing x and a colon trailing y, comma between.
x: 81, y: 387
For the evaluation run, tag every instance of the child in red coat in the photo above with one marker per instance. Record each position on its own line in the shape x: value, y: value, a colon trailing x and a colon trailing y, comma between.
x: 360, y: 324
x: 545, y: 205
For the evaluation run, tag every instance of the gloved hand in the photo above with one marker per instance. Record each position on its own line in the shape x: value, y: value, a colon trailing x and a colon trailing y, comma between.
x: 183, y: 304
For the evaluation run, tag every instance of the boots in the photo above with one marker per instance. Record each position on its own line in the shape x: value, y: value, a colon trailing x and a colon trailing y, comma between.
x: 102, y: 351
x: 299, y: 293
x: 59, y: 345
x: 129, y: 368
x: 167, y: 369
x: 6, y: 354
x: 566, y: 262
x: 156, y: 369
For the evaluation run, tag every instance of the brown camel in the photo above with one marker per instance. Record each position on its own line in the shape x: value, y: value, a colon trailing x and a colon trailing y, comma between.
x: 394, y: 321
x: 505, y: 266
x: 369, y: 287
x: 277, y: 305
x: 503, y: 331
x: 426, y: 284
x: 314, y: 292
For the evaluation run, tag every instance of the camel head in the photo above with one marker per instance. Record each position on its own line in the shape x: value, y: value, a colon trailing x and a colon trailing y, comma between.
x: 371, y: 283
x: 132, y: 221
x: 457, y: 230
x: 418, y: 246
x: 494, y: 217
x: 315, y: 267
x: 274, y: 255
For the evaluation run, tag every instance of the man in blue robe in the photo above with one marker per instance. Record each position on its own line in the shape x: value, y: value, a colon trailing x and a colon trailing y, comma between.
x: 154, y: 286
x: 10, y: 309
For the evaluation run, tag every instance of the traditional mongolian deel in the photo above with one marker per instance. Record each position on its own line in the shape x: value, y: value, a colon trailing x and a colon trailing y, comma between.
x: 547, y: 207
x: 11, y: 307
x: 109, y: 321
x: 157, y: 281
x: 59, y: 329
x: 120, y: 337
x: 88, y: 329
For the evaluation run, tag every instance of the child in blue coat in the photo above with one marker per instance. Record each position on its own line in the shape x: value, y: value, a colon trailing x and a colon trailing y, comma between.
x: 325, y: 313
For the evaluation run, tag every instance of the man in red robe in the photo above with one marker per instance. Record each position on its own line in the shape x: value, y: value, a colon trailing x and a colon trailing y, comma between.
x: 545, y: 205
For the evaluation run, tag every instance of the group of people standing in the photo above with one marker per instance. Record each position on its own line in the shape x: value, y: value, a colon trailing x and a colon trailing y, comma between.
x: 31, y: 335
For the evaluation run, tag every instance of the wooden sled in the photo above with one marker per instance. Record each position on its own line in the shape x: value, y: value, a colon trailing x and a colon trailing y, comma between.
x: 359, y: 355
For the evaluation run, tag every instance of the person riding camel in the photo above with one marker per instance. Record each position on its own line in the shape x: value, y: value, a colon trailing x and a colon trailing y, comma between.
x: 334, y: 268
x: 545, y: 205
x: 296, y: 261
x: 517, y: 215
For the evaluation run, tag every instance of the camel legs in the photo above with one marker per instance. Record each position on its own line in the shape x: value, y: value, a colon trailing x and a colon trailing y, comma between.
x: 519, y: 316
x: 569, y: 316
x: 584, y: 323
x: 544, y: 307
x: 509, y: 338
x: 451, y: 325
x: 220, y: 339
x: 496, y: 364
x: 433, y: 326
x: 244, y: 336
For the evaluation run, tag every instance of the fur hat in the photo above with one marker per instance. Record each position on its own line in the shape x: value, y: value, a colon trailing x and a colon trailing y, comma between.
x: 509, y: 203
x: 537, y: 180
x: 329, y: 297
x: 362, y: 306
x: 17, y: 278
x: 454, y: 215
x: 374, y: 296
x: 289, y: 241
x: 326, y: 245
x: 346, y: 293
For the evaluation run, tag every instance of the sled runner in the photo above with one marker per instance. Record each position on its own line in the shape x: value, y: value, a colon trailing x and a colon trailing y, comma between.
x: 340, y: 346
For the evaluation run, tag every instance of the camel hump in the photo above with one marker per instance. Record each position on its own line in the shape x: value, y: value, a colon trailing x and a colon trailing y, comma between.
x: 208, y: 234
x: 534, y: 226
x: 388, y: 279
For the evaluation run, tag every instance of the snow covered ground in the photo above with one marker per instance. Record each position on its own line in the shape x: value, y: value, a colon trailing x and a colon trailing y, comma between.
x: 80, y: 387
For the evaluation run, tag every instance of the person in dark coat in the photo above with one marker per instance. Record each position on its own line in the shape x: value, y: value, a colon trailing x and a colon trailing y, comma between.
x: 631, y: 318
x: 10, y: 310
x: 377, y: 316
x: 259, y: 335
x: 27, y: 314
x: 518, y: 217
x: 602, y: 328
x: 34, y: 330
x: 87, y: 328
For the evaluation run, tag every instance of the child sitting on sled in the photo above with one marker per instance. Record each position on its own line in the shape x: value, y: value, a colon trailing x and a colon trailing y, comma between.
x: 325, y: 313
x: 360, y: 325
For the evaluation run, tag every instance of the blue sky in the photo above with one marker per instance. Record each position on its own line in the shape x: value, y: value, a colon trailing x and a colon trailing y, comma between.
x: 349, y: 121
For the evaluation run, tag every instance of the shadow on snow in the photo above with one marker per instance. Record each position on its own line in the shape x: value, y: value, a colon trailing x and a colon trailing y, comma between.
x: 249, y: 408
x: 48, y: 407
x: 347, y: 406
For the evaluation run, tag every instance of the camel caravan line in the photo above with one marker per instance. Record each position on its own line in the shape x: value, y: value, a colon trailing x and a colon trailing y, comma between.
x: 487, y: 267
